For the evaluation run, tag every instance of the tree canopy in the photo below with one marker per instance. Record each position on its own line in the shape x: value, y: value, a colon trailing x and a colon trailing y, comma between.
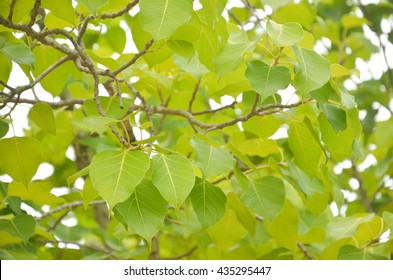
x: 210, y: 129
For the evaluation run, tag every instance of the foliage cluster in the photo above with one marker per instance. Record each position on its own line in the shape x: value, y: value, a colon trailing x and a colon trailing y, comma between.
x: 155, y: 162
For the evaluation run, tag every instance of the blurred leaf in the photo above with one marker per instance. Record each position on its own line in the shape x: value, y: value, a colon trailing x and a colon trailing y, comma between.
x: 42, y: 115
x: 19, y: 53
x: 227, y: 232
x: 22, y: 226
x: 161, y: 18
x: 211, y: 160
x: 267, y: 79
x: 144, y: 211
x: 3, y: 128
x: 313, y: 71
x: 306, y: 150
x: 21, y: 157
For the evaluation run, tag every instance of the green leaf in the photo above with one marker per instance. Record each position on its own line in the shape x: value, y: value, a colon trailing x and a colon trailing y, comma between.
x: 3, y: 128
x: 208, y: 202
x: 144, y: 212
x: 306, y: 150
x: 173, y: 175
x: 161, y: 18
x: 22, y: 226
x: 6, y: 67
x: 350, y: 252
x: 98, y: 123
x: 343, y: 227
x: 266, y: 197
x: 38, y: 191
x: 60, y: 8
x: 20, y: 53
x: 388, y: 218
x: 192, y: 66
x: 336, y: 116
x: 287, y: 34
x: 116, y: 38
x: 284, y: 228
x: 181, y: 47
x: 42, y: 115
x: 267, y: 79
x: 211, y: 160
x: 231, y: 56
x: 83, y: 172
x: 313, y: 71
x: 308, y: 185
x: 243, y: 214
x: 115, y: 174
x: 20, y: 157
x: 93, y: 5
x: 88, y: 192
x: 227, y: 232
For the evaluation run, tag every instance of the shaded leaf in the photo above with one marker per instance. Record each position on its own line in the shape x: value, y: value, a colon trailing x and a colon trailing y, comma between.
x: 265, y: 196
x: 3, y: 128
x: 20, y: 53
x: 21, y: 226
x: 144, y: 212
x: 306, y: 150
x: 208, y: 202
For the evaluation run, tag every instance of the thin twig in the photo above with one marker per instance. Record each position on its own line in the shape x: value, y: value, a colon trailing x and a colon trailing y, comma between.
x: 70, y: 206
x: 304, y: 251
x: 184, y: 255
x: 194, y: 95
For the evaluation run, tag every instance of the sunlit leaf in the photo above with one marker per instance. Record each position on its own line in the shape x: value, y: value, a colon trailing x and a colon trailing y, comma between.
x: 227, y: 232
x: 42, y: 115
x: 161, y: 18
x: 265, y: 197
x: 115, y: 174
x: 313, y: 71
x: 287, y: 34
x: 20, y: 157
x: 267, y: 79
x: 211, y: 160
x: 173, y: 175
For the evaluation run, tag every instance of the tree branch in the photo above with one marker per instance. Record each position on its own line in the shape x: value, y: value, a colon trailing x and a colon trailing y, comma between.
x: 68, y: 206
x: 133, y: 60
x: 184, y: 255
x: 304, y: 251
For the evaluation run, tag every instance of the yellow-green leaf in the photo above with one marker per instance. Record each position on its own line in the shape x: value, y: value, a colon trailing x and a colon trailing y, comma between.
x: 115, y: 174
x: 42, y: 115
x: 20, y: 157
